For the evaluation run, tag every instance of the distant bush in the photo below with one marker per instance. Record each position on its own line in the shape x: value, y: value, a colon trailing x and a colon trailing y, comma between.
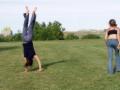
x: 91, y: 36
x: 5, y: 39
x: 71, y: 37
x: 2, y: 39
x: 17, y: 37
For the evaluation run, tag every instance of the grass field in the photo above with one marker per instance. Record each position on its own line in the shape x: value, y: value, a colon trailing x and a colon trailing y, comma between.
x: 69, y: 65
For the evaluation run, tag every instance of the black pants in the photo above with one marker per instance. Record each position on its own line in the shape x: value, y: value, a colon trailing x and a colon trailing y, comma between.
x: 29, y: 53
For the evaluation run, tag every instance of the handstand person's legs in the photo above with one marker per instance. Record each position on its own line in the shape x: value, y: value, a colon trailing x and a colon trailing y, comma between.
x: 33, y: 19
x: 26, y: 16
x: 32, y: 22
x: 26, y: 20
x: 29, y: 33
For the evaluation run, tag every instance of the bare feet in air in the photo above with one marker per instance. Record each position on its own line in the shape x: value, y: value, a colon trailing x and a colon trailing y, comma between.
x: 27, y: 10
x: 34, y: 10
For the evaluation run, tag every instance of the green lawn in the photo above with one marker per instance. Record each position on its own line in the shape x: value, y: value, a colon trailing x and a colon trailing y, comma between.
x: 69, y: 65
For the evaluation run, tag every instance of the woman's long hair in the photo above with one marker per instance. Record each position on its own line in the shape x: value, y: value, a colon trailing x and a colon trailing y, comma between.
x: 112, y: 23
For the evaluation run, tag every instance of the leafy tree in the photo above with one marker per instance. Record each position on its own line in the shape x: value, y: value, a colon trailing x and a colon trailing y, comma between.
x: 17, y: 37
x: 52, y: 31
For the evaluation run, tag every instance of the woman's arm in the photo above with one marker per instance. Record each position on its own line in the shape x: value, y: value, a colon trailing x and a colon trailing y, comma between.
x: 106, y: 34
x: 118, y: 35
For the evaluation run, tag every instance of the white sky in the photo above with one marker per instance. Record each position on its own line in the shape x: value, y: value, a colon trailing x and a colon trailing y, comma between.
x: 73, y: 14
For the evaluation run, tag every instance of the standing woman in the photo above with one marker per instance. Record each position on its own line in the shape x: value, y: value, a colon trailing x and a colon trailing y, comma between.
x: 113, y: 41
x: 29, y: 52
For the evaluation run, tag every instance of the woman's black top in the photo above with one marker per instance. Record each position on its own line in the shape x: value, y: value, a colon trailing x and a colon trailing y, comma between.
x: 112, y: 32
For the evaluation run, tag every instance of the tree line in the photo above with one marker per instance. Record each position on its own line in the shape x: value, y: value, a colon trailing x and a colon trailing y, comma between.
x: 42, y: 31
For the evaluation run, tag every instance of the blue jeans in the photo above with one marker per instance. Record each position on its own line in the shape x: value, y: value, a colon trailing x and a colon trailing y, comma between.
x: 112, y: 45
x: 28, y: 30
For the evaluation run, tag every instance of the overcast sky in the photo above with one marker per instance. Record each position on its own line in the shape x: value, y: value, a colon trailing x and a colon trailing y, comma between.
x: 73, y: 14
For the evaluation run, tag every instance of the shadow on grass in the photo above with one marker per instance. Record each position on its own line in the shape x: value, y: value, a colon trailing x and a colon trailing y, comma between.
x: 8, y: 48
x: 45, y: 66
